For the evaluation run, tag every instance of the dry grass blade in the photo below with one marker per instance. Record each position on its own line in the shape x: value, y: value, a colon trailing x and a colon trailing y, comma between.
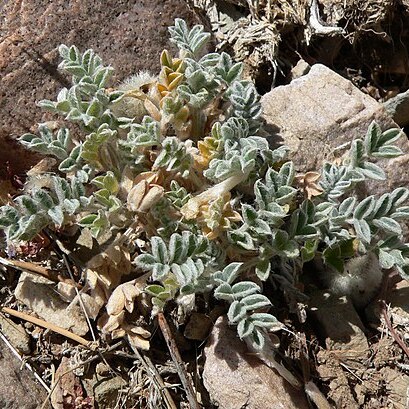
x: 155, y: 376
x: 38, y: 270
x: 394, y: 334
x: 177, y: 359
x: 47, y: 325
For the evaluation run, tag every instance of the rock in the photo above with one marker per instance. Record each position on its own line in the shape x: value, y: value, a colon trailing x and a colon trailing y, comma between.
x: 300, y: 69
x: 236, y: 379
x: 106, y: 392
x: 16, y: 335
x: 321, y: 111
x: 339, y: 323
x: 128, y: 34
x: 39, y: 295
x: 68, y: 392
x: 18, y: 387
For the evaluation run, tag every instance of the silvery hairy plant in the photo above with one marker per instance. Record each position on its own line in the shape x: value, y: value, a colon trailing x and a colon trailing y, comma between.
x: 178, y: 159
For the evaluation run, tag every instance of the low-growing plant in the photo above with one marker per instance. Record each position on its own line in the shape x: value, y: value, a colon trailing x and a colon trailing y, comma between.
x: 177, y: 160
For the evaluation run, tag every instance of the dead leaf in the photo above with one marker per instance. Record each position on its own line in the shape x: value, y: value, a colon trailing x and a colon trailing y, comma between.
x: 122, y: 297
x: 45, y: 165
x: 85, y: 239
x: 306, y: 182
x: 144, y: 195
x: 139, y: 342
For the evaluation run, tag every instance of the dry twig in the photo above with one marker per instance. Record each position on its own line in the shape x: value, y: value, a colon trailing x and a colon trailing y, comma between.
x: 37, y: 270
x: 47, y: 325
x: 394, y: 334
x: 153, y: 373
x: 174, y: 352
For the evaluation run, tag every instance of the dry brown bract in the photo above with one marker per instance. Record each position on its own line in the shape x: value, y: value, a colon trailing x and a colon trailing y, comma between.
x: 307, y: 182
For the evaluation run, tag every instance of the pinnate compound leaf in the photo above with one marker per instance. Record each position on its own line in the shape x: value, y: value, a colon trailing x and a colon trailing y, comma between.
x: 237, y: 312
x: 245, y: 328
x: 244, y: 288
x: 255, y: 301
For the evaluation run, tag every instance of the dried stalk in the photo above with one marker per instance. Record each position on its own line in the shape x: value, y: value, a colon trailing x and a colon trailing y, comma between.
x: 177, y: 359
x: 153, y: 373
x: 47, y: 325
x: 37, y: 270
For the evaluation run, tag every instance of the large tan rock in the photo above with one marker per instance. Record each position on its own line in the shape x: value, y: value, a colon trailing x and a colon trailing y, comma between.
x: 40, y: 296
x: 236, y: 379
x: 319, y: 112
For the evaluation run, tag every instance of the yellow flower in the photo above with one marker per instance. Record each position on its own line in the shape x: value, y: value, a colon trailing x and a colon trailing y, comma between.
x: 217, y: 216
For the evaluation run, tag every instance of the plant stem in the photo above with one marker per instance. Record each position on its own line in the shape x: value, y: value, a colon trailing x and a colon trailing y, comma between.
x: 177, y: 359
x: 47, y: 325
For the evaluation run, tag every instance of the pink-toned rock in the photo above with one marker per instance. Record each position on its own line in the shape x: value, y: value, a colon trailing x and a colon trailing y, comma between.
x: 235, y: 379
x: 128, y: 34
x: 18, y: 387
